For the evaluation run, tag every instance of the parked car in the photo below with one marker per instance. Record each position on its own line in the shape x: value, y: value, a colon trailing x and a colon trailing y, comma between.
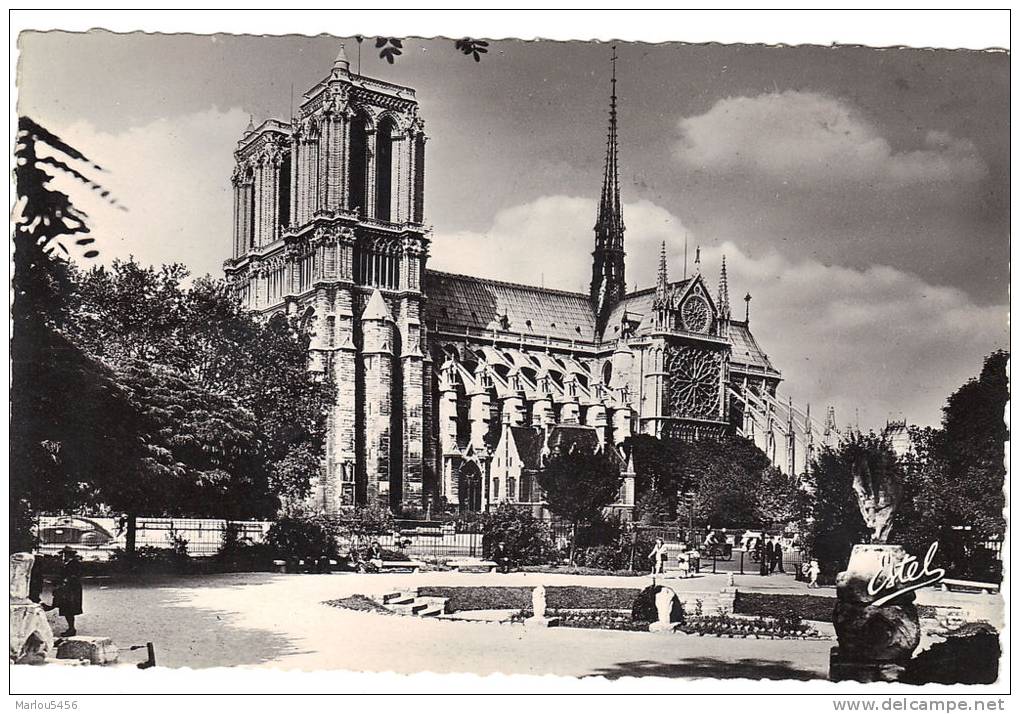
x: 79, y: 533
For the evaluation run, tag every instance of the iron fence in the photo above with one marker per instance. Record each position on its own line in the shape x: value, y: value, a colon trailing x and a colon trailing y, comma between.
x: 96, y: 538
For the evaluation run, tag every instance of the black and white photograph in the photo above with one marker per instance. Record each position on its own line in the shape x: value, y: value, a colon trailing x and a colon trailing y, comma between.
x: 651, y: 363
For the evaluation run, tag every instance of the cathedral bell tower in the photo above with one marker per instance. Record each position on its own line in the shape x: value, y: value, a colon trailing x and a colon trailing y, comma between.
x: 329, y: 228
x: 608, y: 279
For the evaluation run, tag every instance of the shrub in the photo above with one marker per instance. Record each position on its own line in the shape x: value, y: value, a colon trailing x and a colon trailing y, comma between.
x: 643, y: 608
x: 971, y: 657
x: 527, y: 539
x: 150, y: 560
x: 302, y: 537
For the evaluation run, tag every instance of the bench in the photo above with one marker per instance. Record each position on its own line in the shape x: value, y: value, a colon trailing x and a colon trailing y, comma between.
x: 413, y: 565
x: 460, y: 566
x: 948, y: 584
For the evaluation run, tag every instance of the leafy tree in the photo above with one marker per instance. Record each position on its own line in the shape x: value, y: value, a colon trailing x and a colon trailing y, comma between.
x: 528, y: 540
x: 660, y: 474
x: 834, y: 524
x: 730, y: 478
x: 131, y: 312
x: 954, y: 478
x: 779, y: 501
x: 45, y: 368
x: 578, y: 485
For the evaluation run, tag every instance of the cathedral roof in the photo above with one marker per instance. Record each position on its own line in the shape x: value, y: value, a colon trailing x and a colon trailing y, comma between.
x: 376, y: 308
x: 745, y: 349
x: 564, y: 438
x: 483, y: 304
x: 636, y: 307
x: 529, y: 443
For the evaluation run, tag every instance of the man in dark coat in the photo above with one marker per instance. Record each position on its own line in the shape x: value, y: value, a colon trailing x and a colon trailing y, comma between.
x: 770, y: 552
x: 67, y: 593
x: 777, y: 556
x: 502, y: 557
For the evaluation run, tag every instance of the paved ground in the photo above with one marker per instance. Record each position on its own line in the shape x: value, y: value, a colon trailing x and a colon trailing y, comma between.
x: 279, y: 620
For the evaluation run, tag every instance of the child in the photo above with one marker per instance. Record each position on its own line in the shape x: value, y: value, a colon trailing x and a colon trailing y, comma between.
x: 813, y: 571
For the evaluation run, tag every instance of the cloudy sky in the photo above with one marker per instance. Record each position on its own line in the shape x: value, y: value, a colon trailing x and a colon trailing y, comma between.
x: 860, y: 196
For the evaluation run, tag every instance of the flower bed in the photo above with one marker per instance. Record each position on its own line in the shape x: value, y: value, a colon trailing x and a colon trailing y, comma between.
x: 518, y: 598
x: 358, y: 602
x: 590, y: 619
x: 759, y: 628
x: 805, y: 607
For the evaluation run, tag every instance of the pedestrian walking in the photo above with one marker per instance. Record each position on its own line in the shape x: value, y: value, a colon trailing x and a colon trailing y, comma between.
x: 777, y: 556
x: 813, y: 572
x: 770, y: 555
x: 762, y: 555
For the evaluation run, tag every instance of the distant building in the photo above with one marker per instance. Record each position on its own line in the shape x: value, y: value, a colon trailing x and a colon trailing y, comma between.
x: 897, y: 434
x: 449, y: 383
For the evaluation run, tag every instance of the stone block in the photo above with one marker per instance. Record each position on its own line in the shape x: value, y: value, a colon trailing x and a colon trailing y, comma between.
x: 542, y: 622
x: 31, y: 637
x: 97, y: 650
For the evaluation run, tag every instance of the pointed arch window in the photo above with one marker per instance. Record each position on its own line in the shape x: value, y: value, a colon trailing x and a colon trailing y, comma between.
x: 357, y: 167
x: 384, y: 168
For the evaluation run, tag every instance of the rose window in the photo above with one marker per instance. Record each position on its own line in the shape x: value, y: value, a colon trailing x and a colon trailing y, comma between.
x: 693, y: 382
x: 696, y: 314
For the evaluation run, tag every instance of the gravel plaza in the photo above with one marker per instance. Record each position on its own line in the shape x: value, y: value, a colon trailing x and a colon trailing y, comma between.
x: 281, y: 621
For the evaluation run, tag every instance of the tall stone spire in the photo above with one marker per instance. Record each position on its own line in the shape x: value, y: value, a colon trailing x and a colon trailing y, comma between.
x: 608, y: 281
x: 724, y: 292
x: 663, y: 282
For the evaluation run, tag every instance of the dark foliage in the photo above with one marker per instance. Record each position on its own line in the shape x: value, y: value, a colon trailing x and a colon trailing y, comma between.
x: 969, y: 657
x: 128, y: 315
x: 817, y: 608
x: 643, y: 608
x: 301, y: 538
x: 836, y: 523
x: 472, y: 48
x: 578, y: 485
x: 527, y: 538
x: 954, y: 478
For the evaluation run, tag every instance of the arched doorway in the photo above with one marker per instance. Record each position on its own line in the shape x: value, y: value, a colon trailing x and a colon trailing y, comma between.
x: 469, y: 487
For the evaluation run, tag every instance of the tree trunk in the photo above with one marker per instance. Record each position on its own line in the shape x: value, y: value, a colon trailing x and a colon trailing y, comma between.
x: 132, y: 529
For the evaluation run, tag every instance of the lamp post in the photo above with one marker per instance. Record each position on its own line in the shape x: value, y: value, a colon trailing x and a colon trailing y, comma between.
x: 689, y: 498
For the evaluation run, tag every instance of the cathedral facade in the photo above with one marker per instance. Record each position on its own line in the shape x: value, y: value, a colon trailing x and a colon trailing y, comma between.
x: 453, y: 390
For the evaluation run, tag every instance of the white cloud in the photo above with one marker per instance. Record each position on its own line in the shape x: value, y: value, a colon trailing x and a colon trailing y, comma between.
x: 808, y: 138
x: 551, y: 240
x: 173, y: 176
x: 879, y: 340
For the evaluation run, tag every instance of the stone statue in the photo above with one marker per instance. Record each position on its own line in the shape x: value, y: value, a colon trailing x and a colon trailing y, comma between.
x: 878, y: 496
x: 31, y: 636
x: 538, y: 602
x: 877, y: 632
x: 538, y: 607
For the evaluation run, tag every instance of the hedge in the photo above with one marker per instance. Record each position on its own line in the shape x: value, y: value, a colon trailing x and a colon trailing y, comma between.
x: 807, y: 607
x: 509, y: 598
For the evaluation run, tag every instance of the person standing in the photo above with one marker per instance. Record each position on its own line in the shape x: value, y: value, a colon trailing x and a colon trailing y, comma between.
x: 658, y: 557
x: 814, y: 570
x: 777, y: 557
x: 502, y: 557
x: 67, y: 593
x: 762, y: 551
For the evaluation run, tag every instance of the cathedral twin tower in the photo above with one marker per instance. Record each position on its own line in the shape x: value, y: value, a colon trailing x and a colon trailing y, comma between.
x: 328, y: 227
x: 453, y: 390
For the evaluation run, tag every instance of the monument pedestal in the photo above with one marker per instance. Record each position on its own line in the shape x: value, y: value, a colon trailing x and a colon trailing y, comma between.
x: 663, y: 626
x: 843, y: 669
x: 542, y: 622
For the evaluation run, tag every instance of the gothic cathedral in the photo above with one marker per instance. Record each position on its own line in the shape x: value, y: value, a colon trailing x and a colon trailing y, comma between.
x: 453, y: 390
